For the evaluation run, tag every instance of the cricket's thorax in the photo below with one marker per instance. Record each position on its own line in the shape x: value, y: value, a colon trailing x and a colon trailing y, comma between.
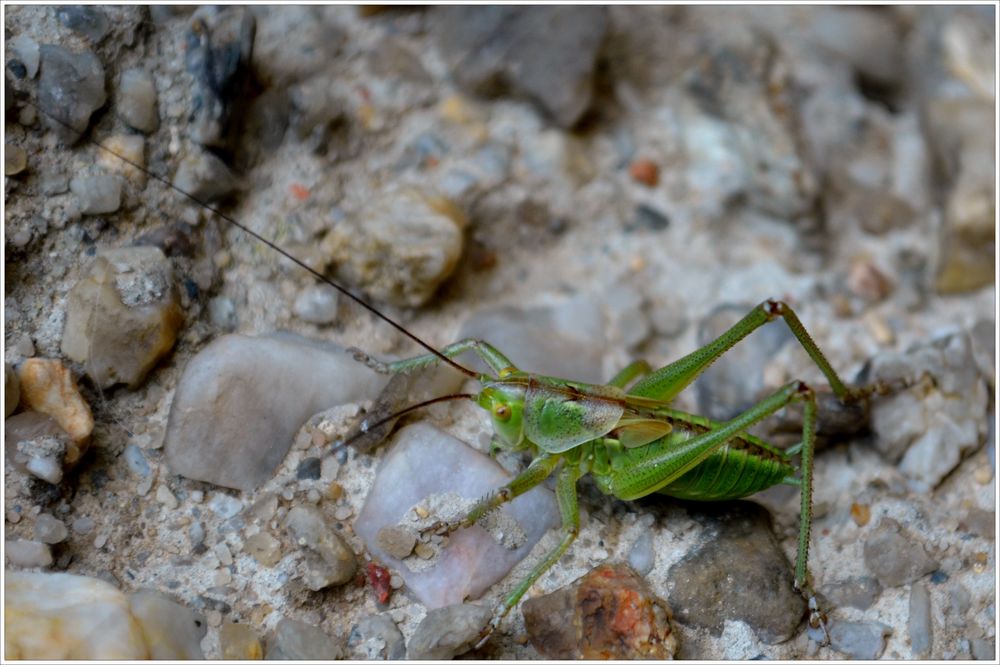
x: 554, y: 414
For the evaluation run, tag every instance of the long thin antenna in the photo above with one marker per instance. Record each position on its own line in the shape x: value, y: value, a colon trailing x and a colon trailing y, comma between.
x: 365, y: 427
x: 318, y: 275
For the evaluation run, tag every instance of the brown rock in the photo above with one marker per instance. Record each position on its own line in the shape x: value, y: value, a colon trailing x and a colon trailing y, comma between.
x: 123, y: 316
x: 609, y: 613
x: 48, y: 387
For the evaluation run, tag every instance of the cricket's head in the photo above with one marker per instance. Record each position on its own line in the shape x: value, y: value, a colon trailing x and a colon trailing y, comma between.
x: 504, y: 400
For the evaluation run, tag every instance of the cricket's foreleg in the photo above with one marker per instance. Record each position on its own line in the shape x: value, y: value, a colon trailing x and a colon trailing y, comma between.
x: 490, y: 355
x: 666, y: 383
x: 632, y: 372
x: 570, y: 513
x: 540, y: 468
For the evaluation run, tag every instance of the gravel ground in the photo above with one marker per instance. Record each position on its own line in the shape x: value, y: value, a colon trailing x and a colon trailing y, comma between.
x: 725, y: 156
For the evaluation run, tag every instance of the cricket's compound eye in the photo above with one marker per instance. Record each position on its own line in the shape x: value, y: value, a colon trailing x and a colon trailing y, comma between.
x: 502, y: 412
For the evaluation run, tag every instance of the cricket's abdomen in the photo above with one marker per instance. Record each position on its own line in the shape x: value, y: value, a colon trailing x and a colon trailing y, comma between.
x: 736, y: 470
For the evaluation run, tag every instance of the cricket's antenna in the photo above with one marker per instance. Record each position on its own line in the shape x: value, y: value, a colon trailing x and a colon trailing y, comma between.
x: 365, y: 427
x: 315, y: 273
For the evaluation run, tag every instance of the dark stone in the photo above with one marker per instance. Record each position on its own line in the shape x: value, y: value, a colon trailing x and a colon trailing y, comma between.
x: 70, y: 89
x: 85, y: 20
x: 739, y: 572
x: 309, y: 469
x: 546, y: 54
x: 17, y: 68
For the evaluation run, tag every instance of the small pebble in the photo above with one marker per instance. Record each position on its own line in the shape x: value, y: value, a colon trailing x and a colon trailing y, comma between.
x: 317, y: 304
x: 97, y: 194
x: 864, y: 641
x: 396, y: 542
x: 47, y: 386
x: 983, y: 649
x: 645, y: 171
x: 89, y: 21
x: 309, y: 469
x: 101, y: 540
x: 225, y: 506
x: 135, y: 459
x: 265, y: 548
x: 239, y: 642
x: 222, y: 577
x: 71, y: 88
x: 895, y: 558
x: 313, y: 496
x: 166, y: 497
x: 28, y: 554
x: 296, y: 640
x: 83, y: 525
x: 25, y: 49
x: 424, y: 551
x: 222, y: 554
x: 376, y: 637
x: 137, y: 101
x: 448, y: 631
x: 343, y: 513
x: 196, y: 496
x: 15, y: 160
x: 214, y: 618
x: 395, y: 581
x: 861, y: 513
x: 130, y: 146
x: 205, y: 176
x: 642, y: 557
x: 13, y: 516
x: 50, y: 530
x: 196, y: 533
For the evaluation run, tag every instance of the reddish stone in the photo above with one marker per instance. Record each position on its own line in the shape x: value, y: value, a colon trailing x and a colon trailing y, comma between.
x: 645, y: 171
x: 609, y: 613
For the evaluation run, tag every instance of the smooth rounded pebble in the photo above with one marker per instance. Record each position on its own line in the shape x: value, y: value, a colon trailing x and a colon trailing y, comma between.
x: 335, y: 562
x: 447, y: 632
x: 97, y: 194
x: 376, y: 637
x: 123, y: 316
x: 50, y: 530
x: 28, y: 554
x: 137, y: 101
x: 424, y: 462
x: 241, y: 400
x: 171, y: 631
x: 295, y: 640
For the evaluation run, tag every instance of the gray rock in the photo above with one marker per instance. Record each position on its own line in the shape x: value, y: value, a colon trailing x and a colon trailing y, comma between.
x: 546, y: 54
x: 894, y: 557
x: 97, y: 195
x: 919, y: 622
x: 172, y: 631
x: 425, y: 462
x: 983, y: 649
x: 137, y: 101
x: 932, y: 425
x: 123, y: 316
x: 222, y: 313
x: 295, y: 640
x: 859, y: 592
x: 401, y: 248
x: 219, y: 50
x: 864, y: 641
x: 204, y: 176
x: 28, y: 554
x: 225, y: 506
x: 565, y: 340
x: 335, y: 563
x: 317, y: 304
x: 642, y: 556
x: 738, y: 558
x: 50, y: 530
x: 91, y: 22
x: 982, y: 523
x: 196, y: 534
x: 376, y: 637
x: 447, y: 632
x: 135, y: 460
x: 71, y: 88
x: 228, y: 426
x: 26, y: 49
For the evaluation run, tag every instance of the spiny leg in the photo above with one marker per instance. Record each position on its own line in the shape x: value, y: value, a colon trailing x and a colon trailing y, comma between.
x: 540, y: 468
x: 490, y: 355
x: 666, y: 383
x: 570, y: 513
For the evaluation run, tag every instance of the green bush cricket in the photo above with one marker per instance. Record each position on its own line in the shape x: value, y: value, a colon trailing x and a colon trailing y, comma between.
x: 625, y: 434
